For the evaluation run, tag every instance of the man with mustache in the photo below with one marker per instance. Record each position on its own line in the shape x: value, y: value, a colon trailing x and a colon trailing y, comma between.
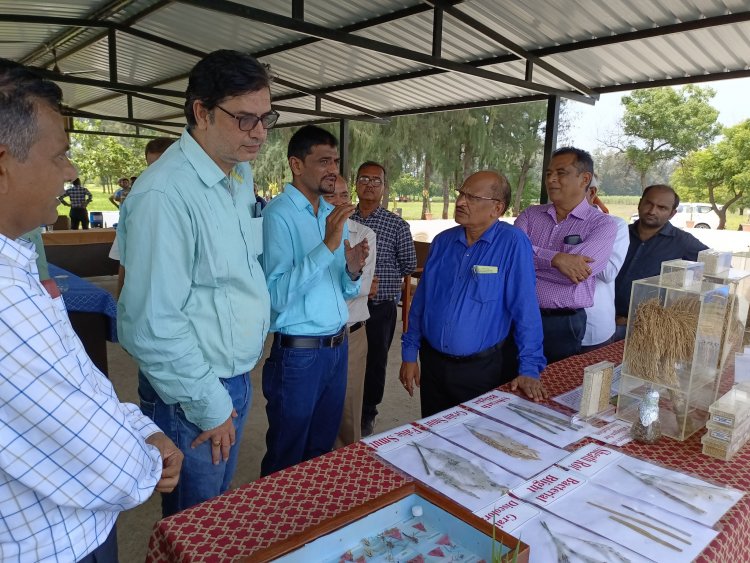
x: 72, y: 456
x: 653, y: 240
x: 311, y: 271
x: 572, y: 243
x: 396, y: 258
x: 194, y: 310
x: 477, y: 286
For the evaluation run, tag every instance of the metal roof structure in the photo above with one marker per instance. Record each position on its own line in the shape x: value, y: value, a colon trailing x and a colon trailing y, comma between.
x: 128, y: 60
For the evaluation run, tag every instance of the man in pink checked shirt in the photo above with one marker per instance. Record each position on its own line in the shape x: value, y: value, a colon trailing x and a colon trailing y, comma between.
x: 572, y: 243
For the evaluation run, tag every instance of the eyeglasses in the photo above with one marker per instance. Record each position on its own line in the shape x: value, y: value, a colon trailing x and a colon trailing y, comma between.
x: 373, y: 181
x: 471, y: 198
x: 249, y: 122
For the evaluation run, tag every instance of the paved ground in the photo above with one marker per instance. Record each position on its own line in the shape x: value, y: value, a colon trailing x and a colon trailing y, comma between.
x: 134, y: 527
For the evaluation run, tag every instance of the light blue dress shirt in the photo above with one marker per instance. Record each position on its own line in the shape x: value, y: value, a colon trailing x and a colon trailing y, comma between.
x: 308, y: 283
x: 194, y: 307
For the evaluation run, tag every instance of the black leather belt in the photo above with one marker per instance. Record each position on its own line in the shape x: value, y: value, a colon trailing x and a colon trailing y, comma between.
x: 558, y: 312
x: 478, y: 356
x: 356, y: 326
x: 289, y: 341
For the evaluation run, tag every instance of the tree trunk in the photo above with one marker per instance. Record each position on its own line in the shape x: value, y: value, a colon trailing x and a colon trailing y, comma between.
x: 643, y: 180
x: 446, y: 197
x: 386, y: 196
x: 426, y: 188
x: 468, y: 160
x: 521, y: 183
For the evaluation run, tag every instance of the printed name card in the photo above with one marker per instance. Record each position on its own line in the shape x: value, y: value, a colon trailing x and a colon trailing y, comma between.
x: 549, y: 486
x: 489, y: 400
x: 507, y: 513
x: 394, y: 438
x: 590, y: 459
x: 447, y: 418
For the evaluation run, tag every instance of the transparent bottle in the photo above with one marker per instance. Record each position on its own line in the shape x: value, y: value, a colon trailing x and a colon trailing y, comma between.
x: 647, y: 428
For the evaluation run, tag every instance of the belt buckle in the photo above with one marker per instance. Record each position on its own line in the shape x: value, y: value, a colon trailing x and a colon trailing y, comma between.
x: 337, y: 339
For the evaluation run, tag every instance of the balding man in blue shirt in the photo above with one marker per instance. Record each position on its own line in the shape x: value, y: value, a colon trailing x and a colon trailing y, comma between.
x: 311, y: 271
x: 477, y: 283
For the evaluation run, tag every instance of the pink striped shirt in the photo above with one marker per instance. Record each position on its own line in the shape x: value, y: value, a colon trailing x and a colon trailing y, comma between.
x: 597, y: 232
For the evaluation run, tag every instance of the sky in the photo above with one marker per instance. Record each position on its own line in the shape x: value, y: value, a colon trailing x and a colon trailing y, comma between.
x: 592, y: 125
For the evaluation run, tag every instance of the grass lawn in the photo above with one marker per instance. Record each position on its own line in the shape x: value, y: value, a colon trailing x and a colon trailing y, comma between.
x: 621, y: 206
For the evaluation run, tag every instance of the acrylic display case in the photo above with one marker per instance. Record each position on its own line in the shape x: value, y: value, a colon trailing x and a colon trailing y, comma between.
x: 738, y: 282
x: 675, y: 331
x: 399, y: 526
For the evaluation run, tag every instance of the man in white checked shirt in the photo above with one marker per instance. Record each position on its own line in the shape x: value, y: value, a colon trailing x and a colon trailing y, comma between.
x: 71, y: 455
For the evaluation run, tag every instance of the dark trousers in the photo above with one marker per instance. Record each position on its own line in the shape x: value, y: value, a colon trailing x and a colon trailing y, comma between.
x: 563, y: 334
x: 446, y: 382
x: 380, y: 328
x: 585, y: 349
x: 304, y: 389
x: 79, y: 216
x: 106, y: 552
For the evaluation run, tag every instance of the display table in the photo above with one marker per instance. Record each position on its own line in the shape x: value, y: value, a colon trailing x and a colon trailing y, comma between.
x: 256, y: 515
x: 83, y: 252
x: 93, y: 314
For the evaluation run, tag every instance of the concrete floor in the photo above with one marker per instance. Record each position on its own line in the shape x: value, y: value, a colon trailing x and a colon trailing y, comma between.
x: 134, y: 527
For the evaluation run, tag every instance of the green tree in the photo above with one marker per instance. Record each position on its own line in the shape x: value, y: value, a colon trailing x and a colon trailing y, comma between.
x: 719, y: 173
x: 104, y: 157
x: 662, y: 124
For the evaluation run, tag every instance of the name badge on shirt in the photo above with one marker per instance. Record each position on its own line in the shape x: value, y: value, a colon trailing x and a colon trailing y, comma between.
x: 484, y: 269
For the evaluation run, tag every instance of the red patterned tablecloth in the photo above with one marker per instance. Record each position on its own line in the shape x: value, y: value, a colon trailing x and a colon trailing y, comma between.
x: 254, y: 516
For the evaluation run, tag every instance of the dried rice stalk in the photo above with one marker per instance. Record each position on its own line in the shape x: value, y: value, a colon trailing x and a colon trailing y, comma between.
x: 661, y: 337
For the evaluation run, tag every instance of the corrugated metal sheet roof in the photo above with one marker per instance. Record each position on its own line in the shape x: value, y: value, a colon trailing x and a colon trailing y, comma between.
x: 602, y: 45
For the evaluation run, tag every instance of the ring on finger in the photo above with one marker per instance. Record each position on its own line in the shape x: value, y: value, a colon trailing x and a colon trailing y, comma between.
x: 217, y: 443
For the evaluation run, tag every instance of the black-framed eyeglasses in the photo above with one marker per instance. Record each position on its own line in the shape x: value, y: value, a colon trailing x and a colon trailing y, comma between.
x: 471, y: 198
x: 373, y: 181
x: 250, y: 121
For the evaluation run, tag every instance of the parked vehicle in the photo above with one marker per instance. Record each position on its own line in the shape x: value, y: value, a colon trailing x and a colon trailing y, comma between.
x: 692, y: 216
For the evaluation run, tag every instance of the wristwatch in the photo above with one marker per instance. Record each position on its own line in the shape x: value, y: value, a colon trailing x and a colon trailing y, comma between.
x: 353, y: 277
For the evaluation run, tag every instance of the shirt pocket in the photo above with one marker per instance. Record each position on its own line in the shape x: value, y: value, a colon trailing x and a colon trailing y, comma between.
x: 486, y: 287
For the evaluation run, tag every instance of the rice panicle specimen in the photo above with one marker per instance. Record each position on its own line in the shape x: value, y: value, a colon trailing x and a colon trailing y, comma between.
x: 456, y: 471
x: 655, y: 482
x: 503, y: 443
x: 564, y: 553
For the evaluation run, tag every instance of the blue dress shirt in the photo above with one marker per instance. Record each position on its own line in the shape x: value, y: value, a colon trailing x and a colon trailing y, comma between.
x: 194, y: 307
x: 468, y: 296
x: 308, y: 283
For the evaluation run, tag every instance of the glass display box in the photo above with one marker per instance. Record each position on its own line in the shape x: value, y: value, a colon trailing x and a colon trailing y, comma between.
x: 676, y: 327
x: 398, y: 526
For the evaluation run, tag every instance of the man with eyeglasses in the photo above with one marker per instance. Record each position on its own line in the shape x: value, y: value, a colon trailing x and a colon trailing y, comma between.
x: 477, y: 284
x: 396, y: 259
x: 572, y: 243
x: 194, y: 311
x: 311, y: 269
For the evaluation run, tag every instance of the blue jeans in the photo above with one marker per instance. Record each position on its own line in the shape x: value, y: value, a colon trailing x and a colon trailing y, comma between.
x: 200, y: 479
x: 305, y: 390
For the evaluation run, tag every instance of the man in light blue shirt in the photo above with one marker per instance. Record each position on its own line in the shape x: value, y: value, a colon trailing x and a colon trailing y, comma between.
x: 311, y: 271
x: 194, y: 310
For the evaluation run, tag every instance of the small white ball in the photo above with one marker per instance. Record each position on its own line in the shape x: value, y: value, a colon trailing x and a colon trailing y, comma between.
x: 416, y: 511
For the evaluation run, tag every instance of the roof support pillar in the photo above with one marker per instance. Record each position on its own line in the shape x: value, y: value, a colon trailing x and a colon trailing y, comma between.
x: 344, y: 147
x: 112, y: 48
x: 550, y: 139
x: 437, y: 31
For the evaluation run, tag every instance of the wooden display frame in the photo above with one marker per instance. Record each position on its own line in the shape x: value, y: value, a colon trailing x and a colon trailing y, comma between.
x: 519, y: 551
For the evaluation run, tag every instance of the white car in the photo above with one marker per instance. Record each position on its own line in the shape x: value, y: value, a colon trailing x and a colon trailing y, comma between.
x: 691, y: 215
